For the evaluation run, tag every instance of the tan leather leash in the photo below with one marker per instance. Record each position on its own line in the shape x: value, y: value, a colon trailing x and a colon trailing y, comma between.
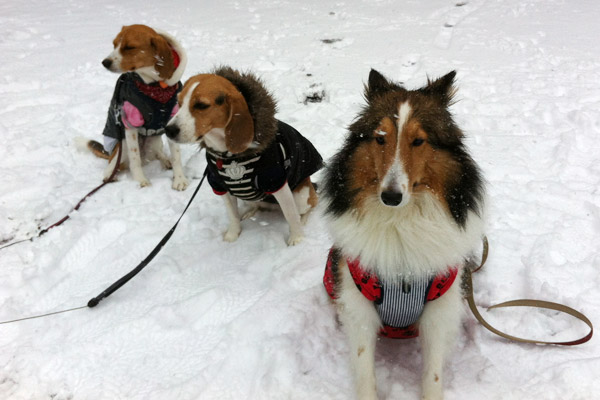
x: 468, y: 286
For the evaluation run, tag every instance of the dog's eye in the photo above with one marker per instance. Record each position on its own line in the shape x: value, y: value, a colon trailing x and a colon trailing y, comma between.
x: 201, y: 106
x: 380, y: 140
x: 128, y: 48
x: 418, y: 142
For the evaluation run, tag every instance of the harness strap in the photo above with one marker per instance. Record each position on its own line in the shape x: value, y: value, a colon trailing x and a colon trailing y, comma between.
x: 468, y: 282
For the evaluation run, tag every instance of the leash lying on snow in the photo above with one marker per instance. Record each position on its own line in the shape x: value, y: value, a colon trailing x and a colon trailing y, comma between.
x: 468, y: 282
x: 115, y: 286
x: 66, y: 217
x: 112, y: 288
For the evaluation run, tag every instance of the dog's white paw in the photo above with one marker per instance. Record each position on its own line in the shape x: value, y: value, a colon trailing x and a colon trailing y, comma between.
x: 231, y: 235
x: 180, y: 183
x: 295, y: 238
x: 144, y: 183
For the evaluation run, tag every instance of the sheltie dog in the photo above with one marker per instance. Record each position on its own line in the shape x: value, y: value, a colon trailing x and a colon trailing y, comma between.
x: 404, y: 204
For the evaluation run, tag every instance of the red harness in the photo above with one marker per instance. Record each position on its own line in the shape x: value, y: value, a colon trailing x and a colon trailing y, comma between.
x: 372, y: 288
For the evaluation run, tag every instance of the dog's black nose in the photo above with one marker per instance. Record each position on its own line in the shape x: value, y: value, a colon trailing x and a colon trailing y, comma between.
x: 107, y: 62
x: 172, y: 131
x: 390, y: 198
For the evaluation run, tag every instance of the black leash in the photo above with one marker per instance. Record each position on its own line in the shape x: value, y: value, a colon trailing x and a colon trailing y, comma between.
x: 66, y: 217
x: 112, y: 288
x: 115, y: 286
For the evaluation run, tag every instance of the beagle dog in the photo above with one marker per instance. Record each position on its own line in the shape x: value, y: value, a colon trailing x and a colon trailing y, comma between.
x: 251, y: 155
x: 151, y: 63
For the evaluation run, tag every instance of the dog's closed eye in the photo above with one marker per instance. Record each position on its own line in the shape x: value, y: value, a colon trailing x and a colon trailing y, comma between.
x: 201, y: 106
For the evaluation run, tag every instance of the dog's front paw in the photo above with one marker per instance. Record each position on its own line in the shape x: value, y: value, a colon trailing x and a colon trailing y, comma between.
x: 295, y: 238
x: 144, y: 183
x: 231, y: 235
x: 180, y: 183
x: 233, y: 232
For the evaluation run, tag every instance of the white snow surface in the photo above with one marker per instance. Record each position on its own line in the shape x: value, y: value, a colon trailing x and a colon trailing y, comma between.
x: 250, y: 319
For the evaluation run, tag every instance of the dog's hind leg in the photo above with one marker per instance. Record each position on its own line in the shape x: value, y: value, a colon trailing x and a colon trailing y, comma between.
x: 361, y: 323
x: 154, y: 149
x: 112, y: 161
x: 251, y: 211
x: 438, y: 328
x: 134, y: 156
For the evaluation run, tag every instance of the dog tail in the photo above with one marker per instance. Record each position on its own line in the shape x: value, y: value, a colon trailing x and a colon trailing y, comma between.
x: 91, y: 145
x: 97, y: 149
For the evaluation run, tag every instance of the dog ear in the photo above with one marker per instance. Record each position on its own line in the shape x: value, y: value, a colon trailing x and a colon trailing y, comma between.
x: 377, y: 85
x: 239, y: 132
x: 442, y: 88
x: 117, y: 38
x: 164, y: 60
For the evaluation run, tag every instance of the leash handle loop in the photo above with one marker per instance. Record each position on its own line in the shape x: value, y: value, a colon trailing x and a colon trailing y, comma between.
x: 468, y: 281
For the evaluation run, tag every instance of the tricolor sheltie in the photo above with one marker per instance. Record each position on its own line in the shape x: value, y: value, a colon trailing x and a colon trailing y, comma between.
x: 404, y: 203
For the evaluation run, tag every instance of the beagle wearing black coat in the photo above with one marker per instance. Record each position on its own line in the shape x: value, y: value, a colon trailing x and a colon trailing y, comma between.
x: 251, y: 155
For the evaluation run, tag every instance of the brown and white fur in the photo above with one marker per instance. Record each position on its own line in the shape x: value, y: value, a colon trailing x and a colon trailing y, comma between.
x: 216, y: 114
x: 405, y: 197
x: 147, y: 52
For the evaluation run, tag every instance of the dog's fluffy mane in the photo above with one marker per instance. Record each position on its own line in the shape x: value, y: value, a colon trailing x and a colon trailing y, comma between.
x: 261, y: 105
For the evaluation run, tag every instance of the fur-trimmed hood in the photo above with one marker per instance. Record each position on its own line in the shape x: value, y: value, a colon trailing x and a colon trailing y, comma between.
x: 183, y: 59
x: 261, y: 105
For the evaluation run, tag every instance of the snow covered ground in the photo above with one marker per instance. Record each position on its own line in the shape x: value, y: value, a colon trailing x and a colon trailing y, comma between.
x: 250, y: 319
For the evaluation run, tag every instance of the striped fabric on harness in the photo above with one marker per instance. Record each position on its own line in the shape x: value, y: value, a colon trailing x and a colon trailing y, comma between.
x: 403, y: 302
x: 399, y: 304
